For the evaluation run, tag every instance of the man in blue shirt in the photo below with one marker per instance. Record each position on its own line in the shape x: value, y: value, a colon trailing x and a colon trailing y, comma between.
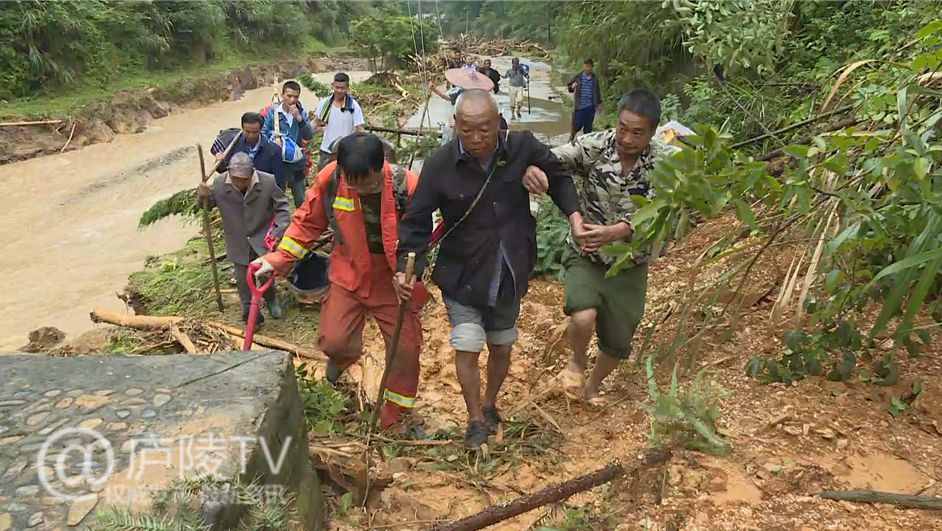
x: 587, y: 98
x: 293, y: 123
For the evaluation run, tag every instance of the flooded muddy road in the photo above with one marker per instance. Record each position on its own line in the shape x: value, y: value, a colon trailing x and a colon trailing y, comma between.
x: 70, y: 220
x: 543, y: 111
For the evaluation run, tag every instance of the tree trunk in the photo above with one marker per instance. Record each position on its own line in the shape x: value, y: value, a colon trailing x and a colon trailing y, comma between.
x: 553, y: 494
x: 892, y: 498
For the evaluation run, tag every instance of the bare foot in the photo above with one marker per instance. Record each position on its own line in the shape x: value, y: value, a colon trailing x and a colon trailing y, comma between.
x: 573, y: 380
x: 593, y: 398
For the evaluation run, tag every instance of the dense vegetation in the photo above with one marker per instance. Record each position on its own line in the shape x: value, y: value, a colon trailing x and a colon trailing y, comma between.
x: 57, y: 46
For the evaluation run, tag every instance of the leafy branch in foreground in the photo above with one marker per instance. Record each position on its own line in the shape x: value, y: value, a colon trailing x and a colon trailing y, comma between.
x: 863, y: 203
x: 182, y: 203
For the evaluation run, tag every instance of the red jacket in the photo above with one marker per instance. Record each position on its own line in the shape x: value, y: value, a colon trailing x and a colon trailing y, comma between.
x: 349, y: 260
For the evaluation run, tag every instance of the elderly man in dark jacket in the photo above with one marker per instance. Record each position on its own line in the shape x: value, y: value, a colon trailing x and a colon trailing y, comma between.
x: 489, y: 247
x: 265, y: 155
x: 255, y: 214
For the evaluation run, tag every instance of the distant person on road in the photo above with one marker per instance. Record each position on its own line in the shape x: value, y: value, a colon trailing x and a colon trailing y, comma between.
x: 254, y: 211
x: 293, y: 123
x: 337, y: 116
x: 492, y: 74
x: 489, y: 245
x: 265, y: 155
x: 609, y: 167
x: 587, y: 99
x: 517, y: 79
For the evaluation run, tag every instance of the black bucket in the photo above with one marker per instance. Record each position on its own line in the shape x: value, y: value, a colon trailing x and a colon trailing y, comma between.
x: 308, y: 278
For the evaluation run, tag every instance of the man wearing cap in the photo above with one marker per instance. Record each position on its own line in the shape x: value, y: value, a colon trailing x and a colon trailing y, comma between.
x: 252, y: 206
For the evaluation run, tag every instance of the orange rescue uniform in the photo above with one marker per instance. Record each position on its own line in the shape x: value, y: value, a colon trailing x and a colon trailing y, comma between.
x: 360, y: 282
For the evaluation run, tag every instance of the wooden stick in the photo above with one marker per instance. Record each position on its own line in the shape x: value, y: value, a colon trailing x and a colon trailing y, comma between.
x: 137, y: 322
x: 67, y: 142
x: 390, y: 358
x: 224, y: 154
x: 421, y: 124
x: 33, y: 122
x: 153, y: 322
x: 183, y: 339
x: 554, y: 494
x: 413, y: 132
x: 207, y: 231
x: 270, y: 342
x: 892, y: 498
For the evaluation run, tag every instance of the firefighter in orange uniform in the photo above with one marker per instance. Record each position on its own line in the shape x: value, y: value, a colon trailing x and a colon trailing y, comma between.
x: 361, y: 198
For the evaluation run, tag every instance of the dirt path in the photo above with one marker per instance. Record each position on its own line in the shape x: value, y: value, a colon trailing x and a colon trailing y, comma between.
x: 71, y: 220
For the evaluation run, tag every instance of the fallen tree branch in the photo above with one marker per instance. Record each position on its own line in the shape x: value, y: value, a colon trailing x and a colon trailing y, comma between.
x: 152, y: 322
x: 555, y: 493
x: 33, y: 122
x: 892, y: 498
x: 69, y: 141
x: 137, y: 322
x: 270, y: 342
x: 183, y: 339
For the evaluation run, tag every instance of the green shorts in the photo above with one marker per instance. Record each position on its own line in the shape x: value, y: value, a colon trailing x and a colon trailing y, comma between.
x: 618, y: 301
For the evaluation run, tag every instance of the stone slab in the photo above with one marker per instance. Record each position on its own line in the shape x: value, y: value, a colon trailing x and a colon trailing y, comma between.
x: 82, y: 433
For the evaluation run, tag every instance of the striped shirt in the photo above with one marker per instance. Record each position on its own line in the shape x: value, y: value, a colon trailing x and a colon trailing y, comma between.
x: 585, y: 91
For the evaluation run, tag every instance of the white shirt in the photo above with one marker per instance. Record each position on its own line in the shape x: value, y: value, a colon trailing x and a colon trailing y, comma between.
x: 288, y: 116
x: 339, y: 124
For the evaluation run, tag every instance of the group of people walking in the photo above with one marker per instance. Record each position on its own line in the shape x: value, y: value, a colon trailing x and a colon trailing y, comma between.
x: 480, y: 182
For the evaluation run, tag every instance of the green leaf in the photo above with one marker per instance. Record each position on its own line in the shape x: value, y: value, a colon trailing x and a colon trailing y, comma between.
x: 346, y: 502
x: 833, y: 280
x: 907, y: 263
x: 744, y: 213
x: 896, y: 406
x: 850, y: 232
x: 921, y: 167
x: 753, y: 366
x: 798, y: 151
x: 794, y: 339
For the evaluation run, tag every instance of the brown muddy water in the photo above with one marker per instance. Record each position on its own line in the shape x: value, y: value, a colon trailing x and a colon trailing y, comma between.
x: 70, y: 220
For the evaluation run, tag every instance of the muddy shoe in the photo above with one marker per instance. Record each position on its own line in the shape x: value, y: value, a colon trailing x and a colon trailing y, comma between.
x: 332, y: 372
x: 475, y: 435
x: 491, y: 419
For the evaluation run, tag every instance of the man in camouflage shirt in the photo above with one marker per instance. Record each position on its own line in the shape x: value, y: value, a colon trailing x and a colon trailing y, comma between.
x: 608, y: 167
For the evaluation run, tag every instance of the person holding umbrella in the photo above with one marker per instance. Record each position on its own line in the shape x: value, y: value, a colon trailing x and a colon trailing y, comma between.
x: 460, y: 79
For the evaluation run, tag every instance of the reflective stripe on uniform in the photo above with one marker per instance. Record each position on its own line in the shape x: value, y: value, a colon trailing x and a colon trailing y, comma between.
x: 293, y: 247
x: 399, y: 400
x: 343, y: 203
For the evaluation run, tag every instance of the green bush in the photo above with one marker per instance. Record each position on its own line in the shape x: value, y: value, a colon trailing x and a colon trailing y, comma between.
x: 55, y: 46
